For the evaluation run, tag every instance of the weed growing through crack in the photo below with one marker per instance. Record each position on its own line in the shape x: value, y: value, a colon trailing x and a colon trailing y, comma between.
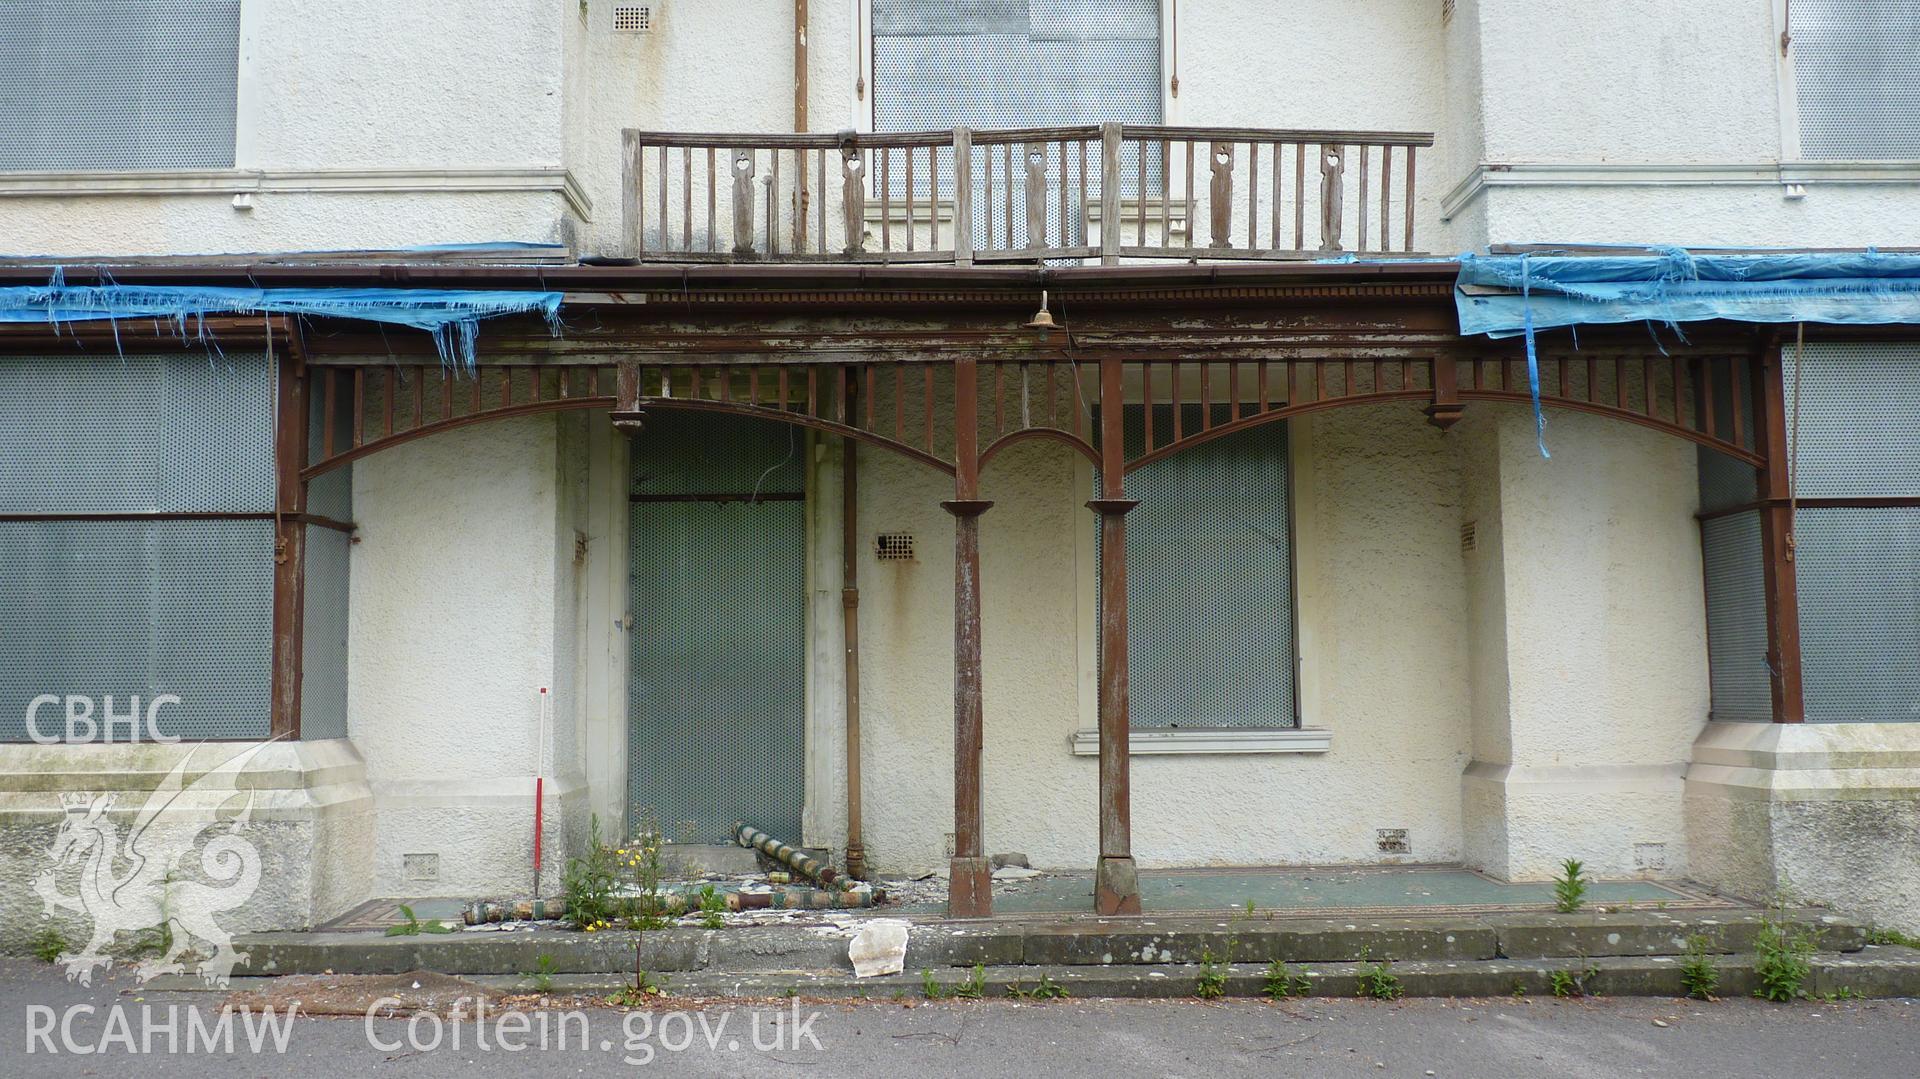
x: 1570, y: 887
x: 1884, y: 937
x: 1698, y: 974
x: 542, y: 974
x: 1783, y: 957
x: 48, y: 945
x: 975, y: 986
x: 1048, y: 989
x: 1572, y: 983
x: 413, y: 926
x: 1212, y: 981
x: 646, y: 987
x: 591, y: 884
x: 929, y: 987
x: 1376, y: 980
x: 713, y: 908
x: 1282, y: 981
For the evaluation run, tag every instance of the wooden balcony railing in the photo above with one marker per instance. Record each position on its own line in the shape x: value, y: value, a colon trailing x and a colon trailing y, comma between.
x: 1108, y: 192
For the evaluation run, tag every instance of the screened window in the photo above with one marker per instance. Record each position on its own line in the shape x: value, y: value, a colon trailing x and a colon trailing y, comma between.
x: 1014, y: 63
x: 136, y: 540
x: 1857, y: 567
x: 991, y: 64
x: 118, y: 84
x: 1210, y: 607
x: 1857, y: 67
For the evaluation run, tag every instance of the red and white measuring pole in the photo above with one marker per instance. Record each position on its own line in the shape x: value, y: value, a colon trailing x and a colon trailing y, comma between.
x: 540, y: 784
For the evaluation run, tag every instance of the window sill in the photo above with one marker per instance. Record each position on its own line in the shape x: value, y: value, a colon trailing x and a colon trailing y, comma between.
x: 1144, y: 742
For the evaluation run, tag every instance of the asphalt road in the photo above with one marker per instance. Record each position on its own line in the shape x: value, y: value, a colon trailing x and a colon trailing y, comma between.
x: 1057, y: 1039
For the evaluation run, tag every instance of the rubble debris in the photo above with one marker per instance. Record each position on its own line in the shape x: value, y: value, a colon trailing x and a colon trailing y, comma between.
x: 1014, y: 872
x: 804, y: 899
x: 880, y: 947
x: 483, y: 911
x: 1013, y: 858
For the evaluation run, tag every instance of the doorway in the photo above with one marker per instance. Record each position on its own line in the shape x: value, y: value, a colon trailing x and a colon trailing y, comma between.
x: 717, y: 665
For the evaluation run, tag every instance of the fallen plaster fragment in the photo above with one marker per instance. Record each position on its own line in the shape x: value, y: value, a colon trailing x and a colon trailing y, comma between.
x: 1014, y: 872
x: 879, y: 948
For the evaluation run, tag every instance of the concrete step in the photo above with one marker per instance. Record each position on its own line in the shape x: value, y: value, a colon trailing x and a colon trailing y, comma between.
x: 1882, y: 971
x: 1102, y: 943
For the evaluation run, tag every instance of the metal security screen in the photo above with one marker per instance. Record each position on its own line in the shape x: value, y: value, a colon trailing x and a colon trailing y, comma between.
x: 1852, y: 417
x: 118, y: 84
x: 1210, y: 581
x: 1736, y: 617
x: 717, y: 587
x: 323, y: 633
x: 137, y: 604
x: 1859, y: 578
x: 938, y: 65
x: 1852, y: 414
x: 1014, y: 63
x: 1856, y: 64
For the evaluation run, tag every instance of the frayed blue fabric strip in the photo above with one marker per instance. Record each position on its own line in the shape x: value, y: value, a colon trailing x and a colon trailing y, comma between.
x: 1533, y: 364
x: 451, y: 316
x: 1673, y: 285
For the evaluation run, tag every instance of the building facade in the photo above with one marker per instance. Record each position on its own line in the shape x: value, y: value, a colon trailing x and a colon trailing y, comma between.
x: 798, y: 367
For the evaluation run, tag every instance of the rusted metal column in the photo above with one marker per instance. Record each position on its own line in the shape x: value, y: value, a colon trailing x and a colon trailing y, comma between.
x: 1116, y: 888
x: 969, y: 889
x: 1776, y: 535
x: 289, y: 541
x: 850, y: 614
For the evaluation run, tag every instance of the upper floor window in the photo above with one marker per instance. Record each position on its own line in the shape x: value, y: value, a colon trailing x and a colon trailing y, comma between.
x: 1015, y: 63
x: 1856, y: 67
x: 117, y: 84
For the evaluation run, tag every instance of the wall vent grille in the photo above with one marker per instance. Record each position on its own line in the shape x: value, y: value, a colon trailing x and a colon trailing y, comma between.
x: 893, y: 547
x: 632, y: 19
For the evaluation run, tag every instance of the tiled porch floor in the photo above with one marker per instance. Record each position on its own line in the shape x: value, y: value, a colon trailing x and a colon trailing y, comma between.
x: 1306, y: 890
x: 1328, y: 890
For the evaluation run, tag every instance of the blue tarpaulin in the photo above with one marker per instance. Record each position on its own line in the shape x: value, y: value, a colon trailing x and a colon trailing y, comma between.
x: 1674, y: 286
x: 1519, y: 295
x: 452, y: 316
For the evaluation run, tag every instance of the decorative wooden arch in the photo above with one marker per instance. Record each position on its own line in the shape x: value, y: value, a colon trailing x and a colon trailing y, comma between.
x: 955, y: 413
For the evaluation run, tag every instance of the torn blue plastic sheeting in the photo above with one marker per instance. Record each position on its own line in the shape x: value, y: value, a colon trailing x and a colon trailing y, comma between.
x: 451, y: 316
x: 1497, y: 295
x: 1519, y: 295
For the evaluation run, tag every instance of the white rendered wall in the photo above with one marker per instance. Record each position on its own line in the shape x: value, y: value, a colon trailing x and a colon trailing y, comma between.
x: 462, y: 573
x: 1589, y: 635
x: 1382, y: 605
x: 1650, y: 122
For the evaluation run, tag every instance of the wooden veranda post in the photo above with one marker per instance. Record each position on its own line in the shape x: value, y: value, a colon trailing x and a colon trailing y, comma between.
x: 289, y: 540
x: 970, y: 887
x: 1116, y: 887
x: 1776, y: 536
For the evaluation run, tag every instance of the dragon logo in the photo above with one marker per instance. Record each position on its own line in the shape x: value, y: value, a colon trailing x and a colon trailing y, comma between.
x: 137, y: 885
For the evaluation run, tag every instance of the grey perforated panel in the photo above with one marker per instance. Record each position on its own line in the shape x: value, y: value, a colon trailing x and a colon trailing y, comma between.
x: 323, y: 637
x: 1852, y: 418
x: 132, y: 607
x: 187, y: 431
x: 1859, y: 587
x: 330, y: 494
x: 1725, y: 482
x: 1856, y: 65
x: 1018, y: 63
x: 118, y: 84
x: 1736, y: 618
x: 1210, y: 582
x: 716, y: 683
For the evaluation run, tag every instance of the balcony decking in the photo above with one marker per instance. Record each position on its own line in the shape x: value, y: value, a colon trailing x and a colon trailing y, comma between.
x: 1110, y: 192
